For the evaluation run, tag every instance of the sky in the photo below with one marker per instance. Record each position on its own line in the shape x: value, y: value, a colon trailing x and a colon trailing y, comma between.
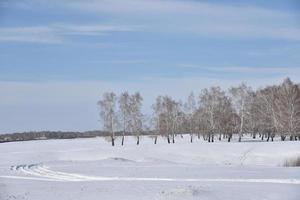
x: 57, y: 57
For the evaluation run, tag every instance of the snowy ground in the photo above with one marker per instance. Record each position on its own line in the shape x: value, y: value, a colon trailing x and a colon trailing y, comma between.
x: 92, y: 169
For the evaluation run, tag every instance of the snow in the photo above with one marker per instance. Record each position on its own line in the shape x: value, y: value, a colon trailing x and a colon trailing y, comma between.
x: 93, y: 169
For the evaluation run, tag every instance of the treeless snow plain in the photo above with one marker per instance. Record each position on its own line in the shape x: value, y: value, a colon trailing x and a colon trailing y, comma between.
x: 93, y: 169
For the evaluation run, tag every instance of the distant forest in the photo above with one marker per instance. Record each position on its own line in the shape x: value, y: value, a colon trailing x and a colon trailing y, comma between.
x: 44, y: 135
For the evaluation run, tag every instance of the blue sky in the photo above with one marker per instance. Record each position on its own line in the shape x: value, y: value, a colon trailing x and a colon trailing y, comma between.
x: 57, y: 57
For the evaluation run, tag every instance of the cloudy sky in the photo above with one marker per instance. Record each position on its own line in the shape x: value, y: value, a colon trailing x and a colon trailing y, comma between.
x: 58, y: 56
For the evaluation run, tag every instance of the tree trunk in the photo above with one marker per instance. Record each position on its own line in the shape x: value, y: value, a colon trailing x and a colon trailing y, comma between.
x: 209, y: 137
x: 173, y: 138
x: 168, y: 139
x: 199, y: 136
x: 240, y: 137
x: 229, y: 138
x: 155, y: 140
x: 212, y: 138
x: 112, y: 141
x: 138, y: 140
x: 282, y: 137
x: 123, y: 140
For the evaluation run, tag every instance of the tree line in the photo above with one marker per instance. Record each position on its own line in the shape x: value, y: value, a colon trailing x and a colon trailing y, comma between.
x: 213, y: 114
x: 46, y: 135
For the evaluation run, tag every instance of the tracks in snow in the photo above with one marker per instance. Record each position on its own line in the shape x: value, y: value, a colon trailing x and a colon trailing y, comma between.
x: 43, y: 173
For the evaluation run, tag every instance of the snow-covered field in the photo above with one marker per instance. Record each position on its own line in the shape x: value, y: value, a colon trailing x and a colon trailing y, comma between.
x: 93, y: 169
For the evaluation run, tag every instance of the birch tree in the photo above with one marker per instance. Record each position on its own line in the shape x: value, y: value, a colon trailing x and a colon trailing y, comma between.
x: 288, y: 106
x: 168, y: 116
x: 210, y: 101
x: 190, y: 109
x: 125, y: 112
x: 157, y: 114
x: 225, y: 117
x: 175, y: 117
x: 254, y: 116
x: 269, y: 115
x: 241, y: 102
x: 108, y: 113
x: 136, y: 117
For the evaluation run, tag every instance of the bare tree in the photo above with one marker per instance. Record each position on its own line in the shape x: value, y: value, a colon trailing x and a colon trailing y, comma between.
x: 125, y: 112
x: 254, y: 115
x: 200, y: 122
x: 241, y: 101
x: 108, y: 113
x: 167, y: 117
x: 136, y: 117
x: 157, y: 114
x: 175, y: 117
x: 190, y: 109
x: 269, y: 117
x: 225, y: 117
x: 288, y: 107
x: 210, y: 101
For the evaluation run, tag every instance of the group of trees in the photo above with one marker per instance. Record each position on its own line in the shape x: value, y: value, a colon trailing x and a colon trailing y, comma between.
x: 266, y: 112
x: 127, y: 116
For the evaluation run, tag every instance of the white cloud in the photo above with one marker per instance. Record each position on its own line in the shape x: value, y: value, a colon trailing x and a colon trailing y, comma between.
x: 57, y: 33
x: 94, y: 29
x: 245, y: 69
x: 204, y: 19
x: 169, y: 16
x: 146, y: 7
x: 236, y: 30
x: 36, y: 34
x: 120, y: 62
